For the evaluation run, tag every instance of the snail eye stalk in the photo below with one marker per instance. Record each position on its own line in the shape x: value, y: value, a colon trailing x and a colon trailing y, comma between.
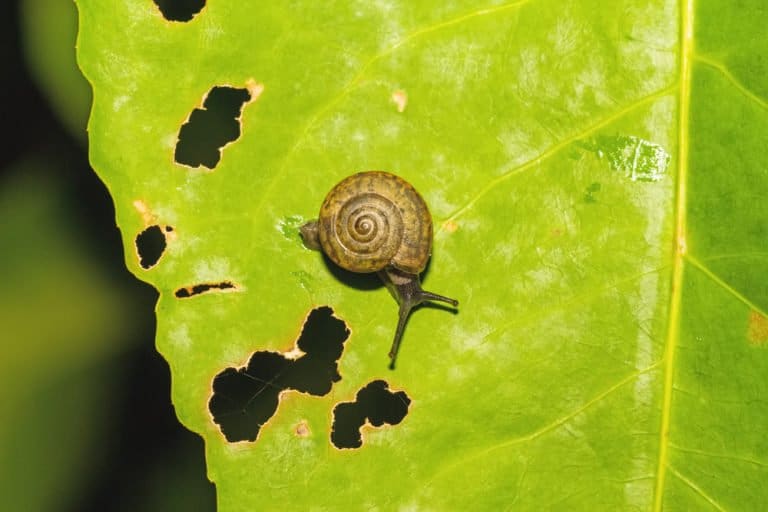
x: 406, y: 288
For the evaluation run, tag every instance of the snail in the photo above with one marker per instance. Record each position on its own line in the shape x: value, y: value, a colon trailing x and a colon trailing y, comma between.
x: 375, y: 221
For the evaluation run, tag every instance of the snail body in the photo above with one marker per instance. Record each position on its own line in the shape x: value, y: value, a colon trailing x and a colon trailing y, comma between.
x: 375, y: 221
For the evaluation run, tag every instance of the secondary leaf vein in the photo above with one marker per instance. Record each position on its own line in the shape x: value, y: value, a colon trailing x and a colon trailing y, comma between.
x: 552, y: 151
x: 538, y: 314
x: 354, y: 82
x: 723, y: 69
x: 462, y: 461
x: 696, y: 488
x: 720, y: 456
x: 720, y: 282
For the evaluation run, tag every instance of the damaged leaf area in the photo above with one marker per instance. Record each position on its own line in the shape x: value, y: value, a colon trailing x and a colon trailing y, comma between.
x: 595, y: 171
x: 211, y: 127
x: 179, y: 10
x: 150, y: 245
x: 375, y: 405
x: 246, y: 398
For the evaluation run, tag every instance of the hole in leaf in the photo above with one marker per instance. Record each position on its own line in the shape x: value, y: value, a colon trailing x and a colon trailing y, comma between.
x: 376, y: 404
x: 212, y: 127
x: 197, y: 289
x: 244, y: 399
x: 179, y: 10
x: 150, y: 244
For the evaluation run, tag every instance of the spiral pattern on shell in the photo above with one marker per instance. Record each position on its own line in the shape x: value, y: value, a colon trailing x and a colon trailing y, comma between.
x: 370, y: 229
x: 374, y: 219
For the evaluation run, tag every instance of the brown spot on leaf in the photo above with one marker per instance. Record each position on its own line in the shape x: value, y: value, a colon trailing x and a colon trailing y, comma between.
x: 302, y: 429
x: 450, y: 226
x: 146, y: 215
x: 757, y: 331
x: 401, y: 99
x: 254, y: 88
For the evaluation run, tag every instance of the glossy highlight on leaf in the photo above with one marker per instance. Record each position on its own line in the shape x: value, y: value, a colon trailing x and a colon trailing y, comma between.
x: 595, y: 171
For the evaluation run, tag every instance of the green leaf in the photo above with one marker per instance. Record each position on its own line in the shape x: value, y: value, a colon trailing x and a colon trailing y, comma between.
x: 595, y: 175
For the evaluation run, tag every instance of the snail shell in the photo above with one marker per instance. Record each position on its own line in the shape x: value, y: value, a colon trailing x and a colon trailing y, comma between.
x: 375, y: 219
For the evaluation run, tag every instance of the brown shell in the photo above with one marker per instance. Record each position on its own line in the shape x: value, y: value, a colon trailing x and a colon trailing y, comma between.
x: 373, y: 219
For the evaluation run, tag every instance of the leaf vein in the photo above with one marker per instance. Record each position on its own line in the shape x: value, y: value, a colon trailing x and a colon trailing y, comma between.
x: 673, y: 321
x: 721, y: 282
x: 571, y: 304
x: 554, y: 149
x: 720, y: 455
x: 687, y: 481
x: 723, y: 69
x: 355, y: 81
x: 462, y: 461
x: 736, y: 255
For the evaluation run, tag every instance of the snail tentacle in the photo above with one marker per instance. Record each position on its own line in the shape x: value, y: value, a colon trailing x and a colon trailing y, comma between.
x: 407, y: 291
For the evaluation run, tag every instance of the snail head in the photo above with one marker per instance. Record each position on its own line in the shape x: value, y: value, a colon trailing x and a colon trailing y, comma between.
x: 310, y: 235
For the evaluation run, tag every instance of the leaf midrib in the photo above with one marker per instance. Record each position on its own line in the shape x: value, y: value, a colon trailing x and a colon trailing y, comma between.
x: 673, y: 326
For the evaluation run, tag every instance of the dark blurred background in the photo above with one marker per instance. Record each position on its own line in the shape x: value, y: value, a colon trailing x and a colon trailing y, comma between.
x: 87, y: 422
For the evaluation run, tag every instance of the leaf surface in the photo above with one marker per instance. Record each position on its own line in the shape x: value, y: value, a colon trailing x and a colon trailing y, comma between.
x: 595, y: 175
